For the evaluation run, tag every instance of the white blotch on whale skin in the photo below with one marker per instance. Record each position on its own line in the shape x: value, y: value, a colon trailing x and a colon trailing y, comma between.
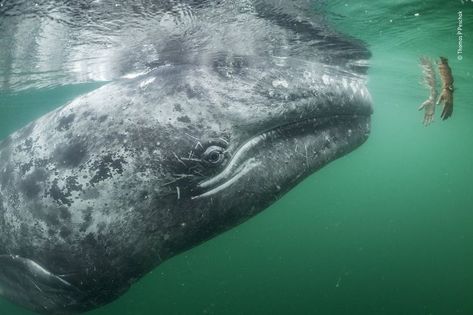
x: 326, y: 79
x: 146, y: 82
x: 280, y: 83
x: 133, y: 75
x: 280, y: 61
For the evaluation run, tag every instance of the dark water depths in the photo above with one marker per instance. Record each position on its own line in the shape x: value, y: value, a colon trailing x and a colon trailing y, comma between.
x: 384, y: 230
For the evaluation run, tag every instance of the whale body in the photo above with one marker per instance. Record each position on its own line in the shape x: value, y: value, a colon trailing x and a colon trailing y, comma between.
x: 211, y: 114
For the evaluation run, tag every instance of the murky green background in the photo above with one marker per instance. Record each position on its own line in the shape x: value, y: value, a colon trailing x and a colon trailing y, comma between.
x: 385, y: 230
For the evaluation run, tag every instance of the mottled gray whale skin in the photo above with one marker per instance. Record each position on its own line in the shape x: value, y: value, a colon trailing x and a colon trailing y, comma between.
x: 97, y: 193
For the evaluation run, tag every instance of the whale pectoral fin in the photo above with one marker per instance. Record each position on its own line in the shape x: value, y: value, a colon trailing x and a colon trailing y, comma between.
x: 27, y: 283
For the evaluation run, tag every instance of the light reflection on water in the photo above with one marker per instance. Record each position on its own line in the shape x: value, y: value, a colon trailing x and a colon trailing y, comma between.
x: 48, y: 43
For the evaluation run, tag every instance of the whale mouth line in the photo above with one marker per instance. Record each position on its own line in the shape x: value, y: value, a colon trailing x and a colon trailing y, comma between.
x: 240, y: 172
x: 240, y: 165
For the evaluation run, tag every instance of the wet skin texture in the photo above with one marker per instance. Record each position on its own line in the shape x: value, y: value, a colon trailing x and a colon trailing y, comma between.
x: 100, y: 191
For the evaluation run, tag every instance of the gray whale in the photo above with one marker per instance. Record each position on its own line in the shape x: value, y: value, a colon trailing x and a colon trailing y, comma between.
x: 239, y: 102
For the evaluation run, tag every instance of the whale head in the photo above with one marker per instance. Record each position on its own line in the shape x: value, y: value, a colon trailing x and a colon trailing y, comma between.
x: 244, y: 130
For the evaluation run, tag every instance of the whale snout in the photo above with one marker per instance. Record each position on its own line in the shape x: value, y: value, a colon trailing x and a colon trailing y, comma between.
x: 304, y: 121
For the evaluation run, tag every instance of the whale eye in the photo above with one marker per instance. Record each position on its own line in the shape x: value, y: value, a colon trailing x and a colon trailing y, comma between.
x: 214, y: 155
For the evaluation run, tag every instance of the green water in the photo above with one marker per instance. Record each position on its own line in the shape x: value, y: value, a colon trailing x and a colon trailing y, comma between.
x: 387, y: 229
